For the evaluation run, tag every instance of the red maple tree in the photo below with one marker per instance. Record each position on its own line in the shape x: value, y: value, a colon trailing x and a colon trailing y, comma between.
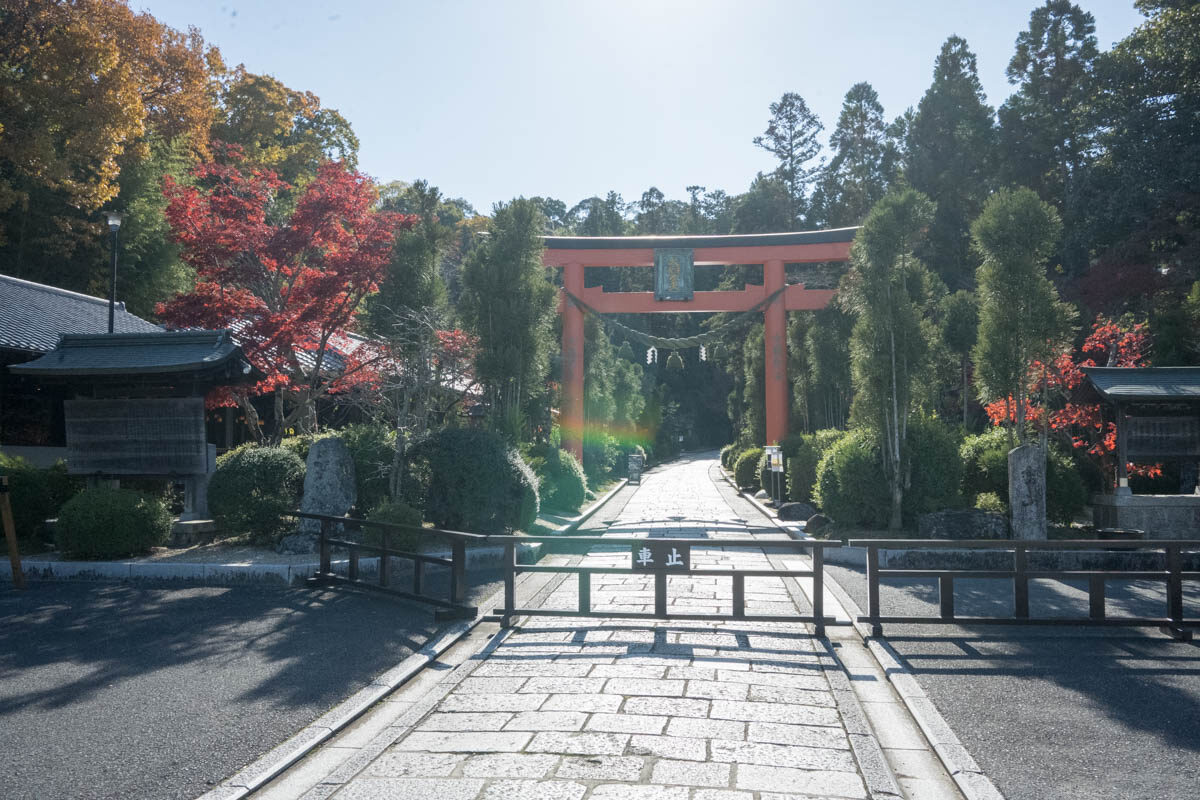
x: 1110, y: 344
x: 288, y: 285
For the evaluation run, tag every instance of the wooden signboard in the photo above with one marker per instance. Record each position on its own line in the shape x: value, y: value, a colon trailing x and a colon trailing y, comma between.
x: 161, y: 437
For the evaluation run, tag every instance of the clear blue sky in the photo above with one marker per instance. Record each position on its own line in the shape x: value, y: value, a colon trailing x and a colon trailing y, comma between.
x: 565, y: 98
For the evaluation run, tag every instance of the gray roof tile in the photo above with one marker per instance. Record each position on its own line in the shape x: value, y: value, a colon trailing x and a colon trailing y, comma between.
x: 33, y: 315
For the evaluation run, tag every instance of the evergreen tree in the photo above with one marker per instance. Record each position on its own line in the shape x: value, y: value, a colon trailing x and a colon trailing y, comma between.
x: 1021, y: 320
x: 791, y: 137
x: 959, y: 328
x: 950, y: 156
x: 854, y: 180
x: 884, y: 289
x: 509, y: 303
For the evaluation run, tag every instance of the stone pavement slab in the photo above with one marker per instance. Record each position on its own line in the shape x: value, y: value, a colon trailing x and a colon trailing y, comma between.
x: 647, y: 710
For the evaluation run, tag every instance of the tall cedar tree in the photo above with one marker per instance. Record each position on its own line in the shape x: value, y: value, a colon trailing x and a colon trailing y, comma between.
x: 1045, y: 127
x: 950, y: 157
x: 791, y: 137
x: 1021, y: 321
x: 885, y: 290
x: 289, y: 289
x: 1143, y: 193
x: 960, y: 328
x: 855, y: 179
x: 509, y: 303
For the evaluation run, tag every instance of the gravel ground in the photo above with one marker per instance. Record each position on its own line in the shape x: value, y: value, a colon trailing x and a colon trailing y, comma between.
x: 1054, y: 713
x: 143, y: 691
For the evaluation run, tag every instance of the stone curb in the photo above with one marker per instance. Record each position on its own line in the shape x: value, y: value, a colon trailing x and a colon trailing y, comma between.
x: 576, y: 521
x: 966, y: 772
x: 224, y: 574
x: 275, y: 762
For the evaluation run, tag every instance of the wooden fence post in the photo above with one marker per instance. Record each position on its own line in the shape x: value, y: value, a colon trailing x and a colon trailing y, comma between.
x: 10, y: 534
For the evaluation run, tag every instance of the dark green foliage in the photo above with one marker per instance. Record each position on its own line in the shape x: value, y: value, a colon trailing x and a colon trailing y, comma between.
x: 471, y: 480
x: 855, y: 178
x: 561, y: 482
x: 600, y: 455
x: 791, y: 136
x: 850, y: 485
x: 764, y: 472
x: 805, y: 455
x: 35, y: 494
x: 372, y: 448
x: 397, y: 513
x: 111, y: 523
x: 745, y: 469
x: 253, y: 488
x: 985, y: 472
x: 727, y: 453
x: 935, y: 469
x: 950, y: 158
x: 990, y: 501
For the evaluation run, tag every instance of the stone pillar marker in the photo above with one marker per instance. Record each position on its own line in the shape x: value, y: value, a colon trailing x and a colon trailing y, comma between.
x: 329, y: 488
x: 1027, y: 491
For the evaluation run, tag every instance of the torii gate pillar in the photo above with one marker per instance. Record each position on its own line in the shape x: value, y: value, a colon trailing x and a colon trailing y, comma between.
x: 775, y: 337
x: 572, y: 362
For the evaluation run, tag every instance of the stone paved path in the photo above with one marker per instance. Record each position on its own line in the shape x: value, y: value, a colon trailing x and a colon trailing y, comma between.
x: 567, y: 708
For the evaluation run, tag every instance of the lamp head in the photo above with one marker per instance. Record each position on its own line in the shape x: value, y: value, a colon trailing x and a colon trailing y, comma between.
x: 114, y: 220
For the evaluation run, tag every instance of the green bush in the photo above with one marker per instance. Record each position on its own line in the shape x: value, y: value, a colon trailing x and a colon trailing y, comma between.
x: 302, y: 443
x: 935, y: 478
x: 803, y: 454
x: 990, y: 501
x: 35, y: 494
x: 985, y: 471
x: 850, y: 486
x: 852, y: 489
x: 471, y: 480
x: 728, y: 452
x: 372, y: 448
x: 600, y: 454
x: 111, y: 523
x: 745, y: 469
x: 561, y: 482
x: 395, y: 513
x: 253, y: 488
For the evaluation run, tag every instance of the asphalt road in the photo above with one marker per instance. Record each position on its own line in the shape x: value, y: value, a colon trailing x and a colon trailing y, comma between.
x: 1057, y: 713
x: 136, y: 691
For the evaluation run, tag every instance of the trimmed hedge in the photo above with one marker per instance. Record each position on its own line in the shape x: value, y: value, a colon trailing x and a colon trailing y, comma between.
x: 728, y: 453
x: 252, y: 488
x: 805, y: 455
x: 35, y: 494
x: 111, y: 523
x: 470, y: 479
x: 561, y: 482
x: 851, y: 487
x: 745, y: 469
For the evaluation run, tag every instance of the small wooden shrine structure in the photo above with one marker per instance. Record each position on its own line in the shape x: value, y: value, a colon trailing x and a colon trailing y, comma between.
x: 136, y: 403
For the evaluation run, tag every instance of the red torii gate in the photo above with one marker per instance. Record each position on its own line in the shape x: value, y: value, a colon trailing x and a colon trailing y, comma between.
x: 772, y: 250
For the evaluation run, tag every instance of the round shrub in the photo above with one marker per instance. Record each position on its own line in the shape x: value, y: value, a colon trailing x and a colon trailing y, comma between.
x: 728, y: 452
x: 111, y: 523
x: 471, y: 480
x: 802, y: 460
x: 935, y: 477
x: 850, y: 486
x: 745, y: 469
x: 990, y: 501
x: 395, y: 513
x: 600, y: 454
x: 561, y: 482
x: 35, y: 494
x: 252, y: 489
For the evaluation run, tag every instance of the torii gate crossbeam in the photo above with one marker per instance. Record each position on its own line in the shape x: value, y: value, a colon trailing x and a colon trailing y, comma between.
x: 772, y: 250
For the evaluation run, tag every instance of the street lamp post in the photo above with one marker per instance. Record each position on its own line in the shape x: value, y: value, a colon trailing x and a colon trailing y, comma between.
x: 114, y: 225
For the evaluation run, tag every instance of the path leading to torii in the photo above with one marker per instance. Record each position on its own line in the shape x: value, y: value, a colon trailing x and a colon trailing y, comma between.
x: 567, y: 709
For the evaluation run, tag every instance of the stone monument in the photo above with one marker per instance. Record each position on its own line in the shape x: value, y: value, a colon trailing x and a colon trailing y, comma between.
x: 1027, y: 491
